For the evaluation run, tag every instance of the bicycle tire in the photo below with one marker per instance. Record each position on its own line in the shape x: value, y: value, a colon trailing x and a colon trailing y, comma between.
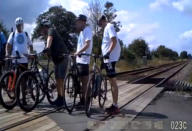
x: 89, y: 96
x: 71, y: 91
x: 52, y: 89
x: 4, y: 85
x: 41, y: 94
x: 30, y: 79
x: 102, y: 93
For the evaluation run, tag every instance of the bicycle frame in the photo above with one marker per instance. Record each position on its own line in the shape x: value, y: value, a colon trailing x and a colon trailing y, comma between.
x: 43, y: 81
x: 95, y: 68
x: 15, y: 70
x: 74, y: 70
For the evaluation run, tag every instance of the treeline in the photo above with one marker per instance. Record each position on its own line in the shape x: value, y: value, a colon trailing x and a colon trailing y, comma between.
x: 139, y: 49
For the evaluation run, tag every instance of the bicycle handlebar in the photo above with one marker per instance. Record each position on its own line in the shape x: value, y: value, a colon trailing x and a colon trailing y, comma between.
x: 83, y: 54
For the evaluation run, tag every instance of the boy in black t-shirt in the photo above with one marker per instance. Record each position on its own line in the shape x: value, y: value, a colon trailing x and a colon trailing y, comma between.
x: 56, y: 47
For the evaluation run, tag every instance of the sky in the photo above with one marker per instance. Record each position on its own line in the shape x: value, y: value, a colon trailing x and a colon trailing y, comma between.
x: 159, y: 22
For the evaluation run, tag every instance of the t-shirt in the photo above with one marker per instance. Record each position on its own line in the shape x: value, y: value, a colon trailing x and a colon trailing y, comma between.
x: 110, y: 32
x: 84, y: 36
x: 20, y: 43
x: 58, y: 47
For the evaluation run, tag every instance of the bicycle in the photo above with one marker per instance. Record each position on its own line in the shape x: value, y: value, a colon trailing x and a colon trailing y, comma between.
x: 97, y: 87
x: 72, y: 85
x: 38, y: 83
x: 2, y: 66
x: 8, y: 81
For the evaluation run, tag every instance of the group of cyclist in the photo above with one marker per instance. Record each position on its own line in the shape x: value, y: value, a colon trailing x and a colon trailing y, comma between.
x: 19, y: 41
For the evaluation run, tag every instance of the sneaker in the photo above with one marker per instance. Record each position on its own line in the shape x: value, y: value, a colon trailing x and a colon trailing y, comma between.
x: 112, y: 110
x: 59, y: 102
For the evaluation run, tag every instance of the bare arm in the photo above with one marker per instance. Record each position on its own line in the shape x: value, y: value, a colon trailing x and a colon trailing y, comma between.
x: 49, y: 41
x: 86, y: 46
x: 113, y: 44
x: 8, y: 49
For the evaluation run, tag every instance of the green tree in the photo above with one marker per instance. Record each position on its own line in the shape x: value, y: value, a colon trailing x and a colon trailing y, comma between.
x: 183, y: 55
x: 109, y: 12
x: 139, y: 48
x: 122, y: 46
x: 127, y: 55
x: 63, y: 21
x: 164, y: 52
x: 94, y: 11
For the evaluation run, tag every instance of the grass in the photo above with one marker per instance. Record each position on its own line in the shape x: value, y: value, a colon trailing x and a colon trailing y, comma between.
x: 122, y: 65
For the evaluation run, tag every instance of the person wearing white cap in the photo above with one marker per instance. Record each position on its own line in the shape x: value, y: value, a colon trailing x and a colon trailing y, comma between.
x: 19, y: 41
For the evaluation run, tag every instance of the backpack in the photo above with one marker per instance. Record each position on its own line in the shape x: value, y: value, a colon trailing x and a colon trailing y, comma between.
x: 68, y: 42
x: 14, y: 36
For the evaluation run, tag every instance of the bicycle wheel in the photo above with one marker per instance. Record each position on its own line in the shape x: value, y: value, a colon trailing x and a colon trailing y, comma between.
x: 41, y: 94
x: 102, y: 91
x: 27, y: 91
x: 7, y: 90
x: 70, y: 92
x: 2, y: 65
x: 89, y: 96
x: 52, y: 93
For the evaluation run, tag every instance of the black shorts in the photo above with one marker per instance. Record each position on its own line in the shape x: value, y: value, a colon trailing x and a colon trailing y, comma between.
x: 61, y: 69
x: 110, y: 69
x: 83, y: 69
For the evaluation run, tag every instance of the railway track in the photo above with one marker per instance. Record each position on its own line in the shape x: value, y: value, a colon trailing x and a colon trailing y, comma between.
x: 136, y: 89
x: 145, y: 69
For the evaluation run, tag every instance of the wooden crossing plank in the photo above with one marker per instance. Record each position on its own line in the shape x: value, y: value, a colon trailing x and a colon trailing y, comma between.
x: 16, y: 115
x: 43, y: 125
x: 60, y: 130
x: 136, y: 93
x: 2, y: 109
x: 40, y: 124
x: 127, y: 96
x: 121, y: 122
x: 9, y: 115
x: 29, y: 124
x: 55, y: 128
x: 141, y: 102
x: 123, y: 91
x: 16, y: 118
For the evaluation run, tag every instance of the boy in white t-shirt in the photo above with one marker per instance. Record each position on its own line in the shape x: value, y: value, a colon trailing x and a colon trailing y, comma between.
x: 84, y: 46
x: 19, y: 41
x: 111, y: 52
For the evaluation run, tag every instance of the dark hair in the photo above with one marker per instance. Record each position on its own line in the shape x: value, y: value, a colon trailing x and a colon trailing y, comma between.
x: 45, y: 23
x: 82, y: 18
x: 102, y: 18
